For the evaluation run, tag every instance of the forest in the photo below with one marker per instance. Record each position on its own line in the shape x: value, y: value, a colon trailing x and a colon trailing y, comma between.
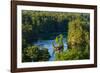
x: 55, y: 36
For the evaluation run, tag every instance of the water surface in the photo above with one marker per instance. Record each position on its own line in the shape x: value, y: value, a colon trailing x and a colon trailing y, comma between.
x: 48, y: 44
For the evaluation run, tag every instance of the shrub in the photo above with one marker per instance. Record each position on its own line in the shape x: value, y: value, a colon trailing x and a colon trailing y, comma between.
x: 34, y: 53
x: 73, y: 54
x: 44, y: 54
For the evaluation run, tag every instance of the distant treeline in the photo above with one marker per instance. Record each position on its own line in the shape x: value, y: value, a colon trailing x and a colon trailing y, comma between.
x: 44, y: 25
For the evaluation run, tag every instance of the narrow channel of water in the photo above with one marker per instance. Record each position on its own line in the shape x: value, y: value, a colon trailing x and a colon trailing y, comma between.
x: 48, y: 44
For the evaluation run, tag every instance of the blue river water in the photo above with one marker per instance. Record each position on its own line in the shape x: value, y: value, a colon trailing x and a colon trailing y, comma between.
x: 48, y: 44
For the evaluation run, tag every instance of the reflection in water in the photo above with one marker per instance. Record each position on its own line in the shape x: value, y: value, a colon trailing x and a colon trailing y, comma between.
x: 48, y: 44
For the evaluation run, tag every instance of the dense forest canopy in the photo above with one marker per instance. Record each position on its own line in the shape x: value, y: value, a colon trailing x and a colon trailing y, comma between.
x: 37, y: 25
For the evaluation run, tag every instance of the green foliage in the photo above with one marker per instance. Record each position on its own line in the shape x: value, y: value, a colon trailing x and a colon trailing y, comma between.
x: 59, y: 40
x: 25, y: 58
x: 78, y: 36
x: 73, y: 54
x: 44, y: 54
x: 58, y: 56
x: 43, y: 25
x: 77, y: 39
x: 58, y: 44
x: 70, y: 54
x: 33, y: 53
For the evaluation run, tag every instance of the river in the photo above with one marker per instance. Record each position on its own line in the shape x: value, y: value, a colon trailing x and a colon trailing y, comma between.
x: 48, y: 44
